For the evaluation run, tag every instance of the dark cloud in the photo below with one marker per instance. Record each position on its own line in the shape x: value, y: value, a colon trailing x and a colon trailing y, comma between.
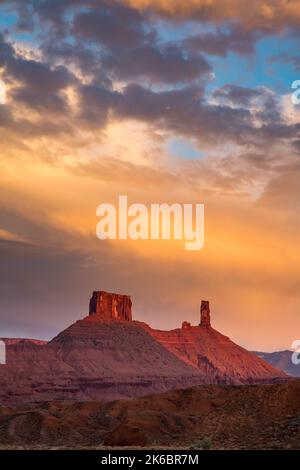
x: 44, y: 13
x: 186, y: 112
x: 95, y: 104
x: 7, y: 51
x: 115, y: 42
x: 277, y: 131
x: 168, y: 64
x: 77, y: 54
x: 238, y: 40
x: 53, y: 10
x: 33, y: 74
x: 54, y: 103
x: 39, y: 76
x: 112, y: 25
x: 35, y: 83
x: 39, y: 86
x: 152, y: 62
x: 237, y: 94
x: 296, y: 145
x: 265, y: 104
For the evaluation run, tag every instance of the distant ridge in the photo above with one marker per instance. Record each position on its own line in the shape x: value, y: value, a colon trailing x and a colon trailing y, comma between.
x: 282, y: 360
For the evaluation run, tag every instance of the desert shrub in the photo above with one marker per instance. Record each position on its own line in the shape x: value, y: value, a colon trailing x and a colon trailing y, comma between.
x: 204, y: 444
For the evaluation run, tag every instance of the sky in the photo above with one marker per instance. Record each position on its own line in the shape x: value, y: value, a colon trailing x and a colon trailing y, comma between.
x: 162, y: 101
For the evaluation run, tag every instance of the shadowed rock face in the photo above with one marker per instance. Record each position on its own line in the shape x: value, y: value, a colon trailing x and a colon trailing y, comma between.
x: 110, y: 306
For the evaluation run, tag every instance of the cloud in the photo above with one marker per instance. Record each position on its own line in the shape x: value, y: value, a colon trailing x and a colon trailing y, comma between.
x: 187, y: 112
x: 95, y: 103
x: 10, y: 236
x: 79, y: 54
x: 264, y: 104
x: 283, y: 192
x: 238, y: 95
x: 33, y: 82
x: 221, y: 43
x: 131, y: 49
x: 241, y: 116
x: 111, y: 25
x: 39, y: 76
x: 168, y: 64
x: 266, y: 14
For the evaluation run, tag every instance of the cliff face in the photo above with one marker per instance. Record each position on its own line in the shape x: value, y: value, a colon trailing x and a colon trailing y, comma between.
x: 109, y: 306
x: 214, y: 355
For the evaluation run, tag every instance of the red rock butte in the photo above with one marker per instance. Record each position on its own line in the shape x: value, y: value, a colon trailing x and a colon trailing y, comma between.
x: 108, y: 356
x: 109, y: 306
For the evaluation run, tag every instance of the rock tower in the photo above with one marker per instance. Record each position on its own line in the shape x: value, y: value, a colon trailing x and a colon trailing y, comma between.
x: 204, y: 314
x: 110, y: 306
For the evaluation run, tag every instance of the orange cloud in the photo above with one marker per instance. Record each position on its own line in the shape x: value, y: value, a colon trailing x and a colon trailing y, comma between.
x: 258, y: 13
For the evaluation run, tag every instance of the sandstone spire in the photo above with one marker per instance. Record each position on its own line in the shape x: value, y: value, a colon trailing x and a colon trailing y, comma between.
x: 204, y: 314
x: 109, y: 306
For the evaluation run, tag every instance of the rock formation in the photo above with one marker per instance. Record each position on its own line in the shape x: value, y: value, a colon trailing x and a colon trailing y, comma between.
x: 107, y: 356
x: 108, y: 306
x: 205, y: 314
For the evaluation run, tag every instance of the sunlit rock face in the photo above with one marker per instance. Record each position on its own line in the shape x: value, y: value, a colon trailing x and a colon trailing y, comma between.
x: 110, y: 306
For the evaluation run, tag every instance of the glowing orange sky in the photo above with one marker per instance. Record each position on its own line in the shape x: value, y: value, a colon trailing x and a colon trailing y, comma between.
x: 56, y: 166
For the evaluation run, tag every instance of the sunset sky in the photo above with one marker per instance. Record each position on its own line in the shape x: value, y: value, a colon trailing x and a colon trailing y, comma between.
x: 162, y: 102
